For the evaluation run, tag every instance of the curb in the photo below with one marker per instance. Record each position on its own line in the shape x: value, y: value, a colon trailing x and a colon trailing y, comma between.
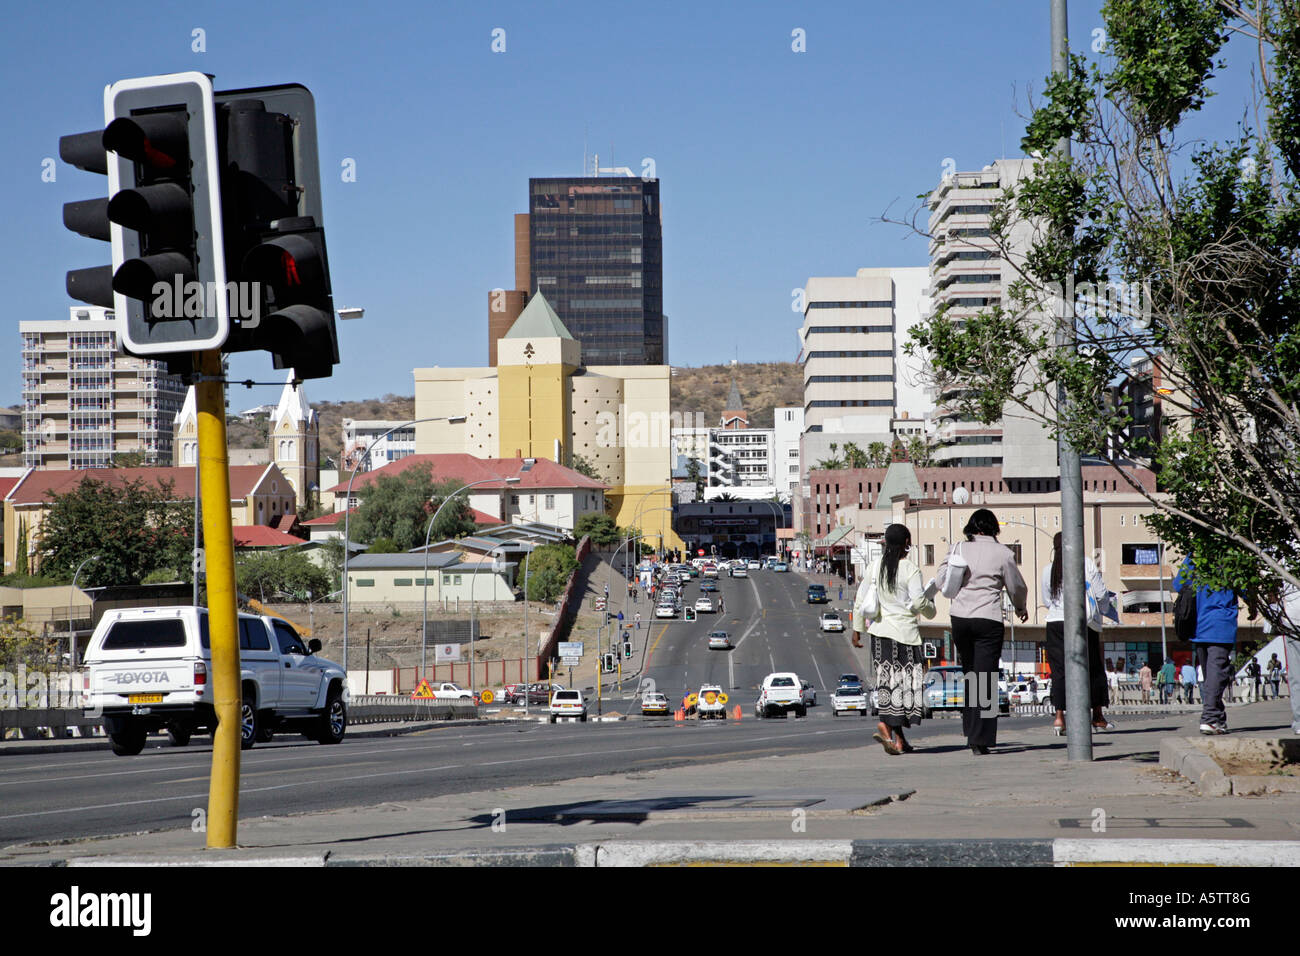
x: 845, y: 853
x: 1182, y: 755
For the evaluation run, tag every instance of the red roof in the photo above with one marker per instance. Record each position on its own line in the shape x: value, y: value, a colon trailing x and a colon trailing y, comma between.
x: 326, y: 521
x: 36, y: 486
x: 464, y: 469
x: 6, y: 485
x: 260, y: 536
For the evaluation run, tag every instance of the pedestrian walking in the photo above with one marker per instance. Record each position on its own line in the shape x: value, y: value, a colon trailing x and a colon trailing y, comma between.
x: 896, y: 650
x: 1144, y: 677
x: 1099, y: 675
x: 1168, y: 679
x: 1256, y: 675
x: 977, y: 627
x: 1274, y: 671
x: 1189, y: 683
x: 1215, y: 636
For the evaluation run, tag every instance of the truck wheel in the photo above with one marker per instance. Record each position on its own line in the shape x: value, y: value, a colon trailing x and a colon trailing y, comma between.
x: 552, y: 718
x: 178, y: 734
x: 801, y: 712
x: 333, y: 719
x: 248, y: 724
x: 583, y: 718
x: 129, y: 741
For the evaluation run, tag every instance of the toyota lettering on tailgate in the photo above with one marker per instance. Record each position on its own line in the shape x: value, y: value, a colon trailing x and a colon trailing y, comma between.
x: 138, y: 677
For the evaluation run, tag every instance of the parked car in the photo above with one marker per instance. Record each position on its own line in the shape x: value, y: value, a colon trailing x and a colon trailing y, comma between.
x: 830, y: 621
x: 1020, y: 693
x: 568, y: 703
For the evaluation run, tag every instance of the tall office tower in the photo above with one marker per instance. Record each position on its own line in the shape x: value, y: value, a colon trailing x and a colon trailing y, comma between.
x: 970, y: 272
x: 595, y: 250
x: 85, y: 402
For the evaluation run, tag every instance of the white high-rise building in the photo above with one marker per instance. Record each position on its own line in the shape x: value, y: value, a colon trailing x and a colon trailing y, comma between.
x: 968, y: 273
x: 85, y: 402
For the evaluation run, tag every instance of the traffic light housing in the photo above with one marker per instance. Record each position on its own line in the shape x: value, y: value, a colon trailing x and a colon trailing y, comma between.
x: 608, y: 663
x: 274, y: 228
x: 162, y: 216
x: 690, y: 613
x: 627, y: 649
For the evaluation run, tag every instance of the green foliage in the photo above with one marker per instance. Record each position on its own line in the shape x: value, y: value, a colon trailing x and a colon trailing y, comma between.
x: 132, y: 528
x: 549, y: 568
x: 130, y: 459
x: 289, y: 573
x: 600, y: 528
x: 383, y: 546
x: 1205, y: 236
x: 16, y: 580
x: 584, y: 466
x: 20, y: 553
x: 21, y: 645
x: 399, y: 507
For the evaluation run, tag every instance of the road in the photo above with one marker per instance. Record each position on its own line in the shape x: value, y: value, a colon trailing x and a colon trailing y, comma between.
x: 69, y: 796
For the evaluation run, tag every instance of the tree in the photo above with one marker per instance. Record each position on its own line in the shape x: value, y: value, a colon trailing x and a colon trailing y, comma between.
x: 549, y: 568
x: 133, y: 528
x: 919, y: 452
x: 855, y: 457
x: 399, y: 507
x: 584, y: 466
x: 600, y: 528
x: 20, y: 552
x: 129, y: 459
x: 878, y: 454
x: 696, y: 475
x: 272, y: 573
x: 1170, y: 250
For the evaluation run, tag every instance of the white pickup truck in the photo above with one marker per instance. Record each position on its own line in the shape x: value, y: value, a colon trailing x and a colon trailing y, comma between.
x: 149, y: 669
x: 781, y: 693
x: 449, y: 691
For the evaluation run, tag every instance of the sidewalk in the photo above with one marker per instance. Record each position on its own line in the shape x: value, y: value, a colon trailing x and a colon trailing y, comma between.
x: 1023, y: 805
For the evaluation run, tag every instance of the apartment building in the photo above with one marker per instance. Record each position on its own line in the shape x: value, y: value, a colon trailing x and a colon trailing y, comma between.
x: 969, y: 272
x: 85, y: 402
x: 392, y: 441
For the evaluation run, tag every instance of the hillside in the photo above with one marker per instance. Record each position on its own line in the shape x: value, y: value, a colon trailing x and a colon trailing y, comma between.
x: 763, y: 386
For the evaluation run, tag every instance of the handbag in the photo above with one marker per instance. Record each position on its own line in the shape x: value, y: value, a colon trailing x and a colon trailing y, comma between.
x: 955, y: 574
x: 867, y: 608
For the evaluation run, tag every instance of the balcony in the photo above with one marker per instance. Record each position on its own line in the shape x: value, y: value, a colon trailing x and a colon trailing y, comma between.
x: 1145, y: 574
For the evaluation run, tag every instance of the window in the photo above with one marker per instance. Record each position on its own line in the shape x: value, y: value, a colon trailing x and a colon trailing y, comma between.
x: 929, y: 554
x: 365, y: 582
x: 1148, y: 552
x: 1015, y: 550
x: 402, y: 582
x: 550, y: 502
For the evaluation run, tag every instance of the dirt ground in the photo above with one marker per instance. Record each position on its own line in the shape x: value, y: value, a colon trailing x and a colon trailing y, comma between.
x: 393, y: 633
x: 1235, y: 766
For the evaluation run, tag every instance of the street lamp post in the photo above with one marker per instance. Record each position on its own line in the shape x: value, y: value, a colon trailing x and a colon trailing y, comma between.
x: 424, y: 617
x: 72, y: 647
x: 347, y: 510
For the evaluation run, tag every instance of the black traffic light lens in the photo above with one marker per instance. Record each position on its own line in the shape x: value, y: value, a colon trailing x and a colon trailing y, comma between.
x: 137, y: 278
x: 159, y: 141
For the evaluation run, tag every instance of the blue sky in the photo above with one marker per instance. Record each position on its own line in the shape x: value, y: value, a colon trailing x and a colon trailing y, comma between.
x: 773, y: 165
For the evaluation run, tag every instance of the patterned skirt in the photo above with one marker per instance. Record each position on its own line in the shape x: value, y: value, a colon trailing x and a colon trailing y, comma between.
x: 900, y: 682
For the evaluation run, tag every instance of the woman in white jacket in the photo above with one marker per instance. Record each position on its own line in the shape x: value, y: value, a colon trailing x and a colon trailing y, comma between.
x: 1055, y: 620
x: 895, y: 638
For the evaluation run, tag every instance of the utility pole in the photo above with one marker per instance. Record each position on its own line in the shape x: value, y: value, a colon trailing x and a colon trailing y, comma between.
x: 1078, y: 699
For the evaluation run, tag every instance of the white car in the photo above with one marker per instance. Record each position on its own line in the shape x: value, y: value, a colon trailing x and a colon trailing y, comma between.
x: 1021, y: 694
x: 848, y: 699
x: 654, y: 704
x: 830, y: 621
x: 739, y: 571
x: 719, y: 641
x: 809, y: 694
x: 711, y: 702
x: 568, y: 703
x: 666, y: 610
x: 755, y: 565
x: 780, y: 694
x: 704, y: 604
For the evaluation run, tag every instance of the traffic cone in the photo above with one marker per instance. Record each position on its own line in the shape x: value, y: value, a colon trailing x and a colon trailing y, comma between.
x: 678, y: 715
x: 736, y: 713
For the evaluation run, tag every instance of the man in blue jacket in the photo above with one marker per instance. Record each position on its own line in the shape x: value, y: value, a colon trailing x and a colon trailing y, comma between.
x: 1216, y: 634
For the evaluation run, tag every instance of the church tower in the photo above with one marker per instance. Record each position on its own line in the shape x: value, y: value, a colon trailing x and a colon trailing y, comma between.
x: 294, y: 436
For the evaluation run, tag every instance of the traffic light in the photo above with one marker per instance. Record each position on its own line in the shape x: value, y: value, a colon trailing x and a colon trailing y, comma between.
x: 690, y: 614
x: 627, y: 649
x: 608, y: 662
x: 162, y: 215
x: 275, y: 236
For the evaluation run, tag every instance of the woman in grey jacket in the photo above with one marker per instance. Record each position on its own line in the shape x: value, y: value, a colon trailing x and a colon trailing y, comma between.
x: 977, y: 628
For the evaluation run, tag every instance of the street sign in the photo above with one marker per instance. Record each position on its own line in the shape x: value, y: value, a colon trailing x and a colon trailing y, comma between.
x: 447, y: 653
x: 570, y: 648
x: 571, y: 661
x: 422, y: 691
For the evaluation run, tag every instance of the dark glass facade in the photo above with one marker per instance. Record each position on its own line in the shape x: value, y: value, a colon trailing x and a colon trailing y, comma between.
x: 596, y: 253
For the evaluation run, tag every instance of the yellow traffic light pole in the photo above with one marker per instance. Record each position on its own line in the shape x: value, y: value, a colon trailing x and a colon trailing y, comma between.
x: 214, y: 483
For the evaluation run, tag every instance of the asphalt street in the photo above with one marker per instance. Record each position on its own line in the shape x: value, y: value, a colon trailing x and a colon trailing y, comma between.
x: 51, y: 797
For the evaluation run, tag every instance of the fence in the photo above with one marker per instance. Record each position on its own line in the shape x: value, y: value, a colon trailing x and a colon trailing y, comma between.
x: 486, y: 674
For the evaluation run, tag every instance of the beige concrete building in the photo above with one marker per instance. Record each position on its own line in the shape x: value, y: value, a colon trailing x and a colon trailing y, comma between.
x: 541, y: 402
x: 84, y: 401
